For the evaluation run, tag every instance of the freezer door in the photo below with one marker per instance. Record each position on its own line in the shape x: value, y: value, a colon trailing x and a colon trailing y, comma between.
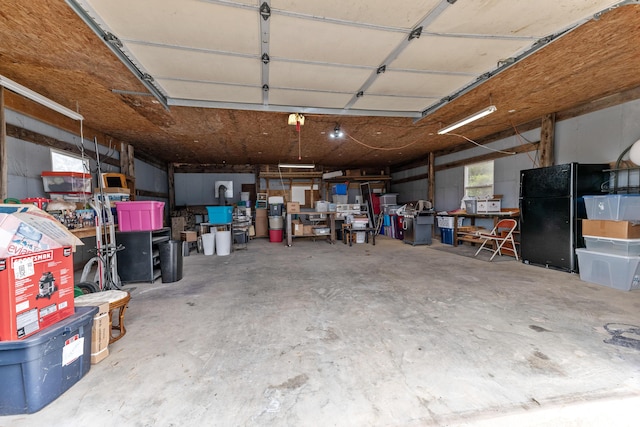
x: 547, y: 233
x: 551, y: 181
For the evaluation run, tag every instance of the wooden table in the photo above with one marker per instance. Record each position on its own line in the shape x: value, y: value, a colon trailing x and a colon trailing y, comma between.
x: 495, y: 216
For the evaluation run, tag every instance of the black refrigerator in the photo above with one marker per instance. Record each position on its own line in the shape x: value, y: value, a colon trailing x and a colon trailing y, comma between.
x: 552, y: 209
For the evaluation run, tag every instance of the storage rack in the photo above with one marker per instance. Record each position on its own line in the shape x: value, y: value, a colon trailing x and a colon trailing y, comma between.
x: 624, y: 180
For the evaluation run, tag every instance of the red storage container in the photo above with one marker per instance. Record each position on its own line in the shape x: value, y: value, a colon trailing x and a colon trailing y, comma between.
x: 140, y: 215
x: 275, y: 236
x: 66, y: 182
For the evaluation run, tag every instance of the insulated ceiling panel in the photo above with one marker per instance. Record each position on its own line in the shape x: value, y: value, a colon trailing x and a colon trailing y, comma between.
x: 416, y: 84
x: 186, y: 23
x: 515, y: 17
x: 330, y: 43
x: 207, y: 91
x: 308, y: 99
x: 462, y: 55
x: 199, y: 66
x: 317, y: 76
x: 393, y: 103
x: 403, y: 14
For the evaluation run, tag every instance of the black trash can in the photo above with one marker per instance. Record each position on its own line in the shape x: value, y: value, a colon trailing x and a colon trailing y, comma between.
x: 171, y: 260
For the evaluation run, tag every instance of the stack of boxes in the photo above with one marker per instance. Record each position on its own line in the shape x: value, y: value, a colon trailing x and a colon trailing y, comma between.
x: 612, y: 239
x: 45, y: 342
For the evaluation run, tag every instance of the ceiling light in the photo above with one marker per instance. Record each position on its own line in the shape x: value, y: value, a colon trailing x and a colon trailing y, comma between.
x: 34, y: 96
x: 296, y: 165
x: 480, y: 114
x: 337, y: 133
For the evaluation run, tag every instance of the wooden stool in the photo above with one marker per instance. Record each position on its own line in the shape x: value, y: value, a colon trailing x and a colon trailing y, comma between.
x: 118, y: 300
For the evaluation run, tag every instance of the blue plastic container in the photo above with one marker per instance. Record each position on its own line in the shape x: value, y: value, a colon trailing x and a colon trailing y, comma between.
x: 38, y: 369
x: 446, y: 236
x: 220, y: 214
x: 340, y: 189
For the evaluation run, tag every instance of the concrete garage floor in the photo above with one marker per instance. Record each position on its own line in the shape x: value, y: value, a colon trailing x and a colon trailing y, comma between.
x: 384, y: 335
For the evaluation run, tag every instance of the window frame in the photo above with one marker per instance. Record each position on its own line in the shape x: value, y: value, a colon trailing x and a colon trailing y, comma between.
x: 468, y: 187
x: 55, y: 168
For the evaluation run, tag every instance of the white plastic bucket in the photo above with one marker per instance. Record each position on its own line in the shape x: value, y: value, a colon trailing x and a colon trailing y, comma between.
x: 208, y: 243
x: 276, y: 223
x: 223, y: 242
x: 360, y: 236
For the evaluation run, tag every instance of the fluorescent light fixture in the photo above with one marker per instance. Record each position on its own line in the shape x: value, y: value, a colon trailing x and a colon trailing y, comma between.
x: 296, y: 165
x: 34, y: 96
x: 472, y: 118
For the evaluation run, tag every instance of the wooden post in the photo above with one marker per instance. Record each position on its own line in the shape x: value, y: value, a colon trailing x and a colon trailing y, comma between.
x: 127, y: 167
x: 172, y: 188
x: 547, y: 140
x: 4, y: 173
x: 431, y: 196
x: 431, y: 192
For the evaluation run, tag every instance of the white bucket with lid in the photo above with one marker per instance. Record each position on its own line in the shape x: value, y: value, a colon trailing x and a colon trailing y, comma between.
x: 223, y: 242
x: 208, y: 243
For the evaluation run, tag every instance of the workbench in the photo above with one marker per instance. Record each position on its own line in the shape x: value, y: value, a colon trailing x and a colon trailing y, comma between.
x: 495, y: 216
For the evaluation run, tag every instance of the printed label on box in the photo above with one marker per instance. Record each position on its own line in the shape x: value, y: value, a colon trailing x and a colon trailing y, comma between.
x: 23, y: 268
x: 72, y: 350
x: 27, y: 322
x: 45, y: 311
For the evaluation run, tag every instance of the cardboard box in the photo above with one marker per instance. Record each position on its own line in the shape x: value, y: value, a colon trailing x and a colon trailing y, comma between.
x: 178, y: 224
x: 100, y: 332
x: 307, y: 230
x: 353, y: 172
x: 26, y: 229
x: 262, y: 224
x: 189, y: 236
x: 610, y: 228
x: 36, y: 291
x: 293, y: 207
x: 297, y: 228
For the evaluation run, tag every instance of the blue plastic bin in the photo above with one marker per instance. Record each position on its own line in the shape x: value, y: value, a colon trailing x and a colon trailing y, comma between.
x: 38, y: 369
x: 446, y: 236
x: 339, y: 189
x: 220, y: 214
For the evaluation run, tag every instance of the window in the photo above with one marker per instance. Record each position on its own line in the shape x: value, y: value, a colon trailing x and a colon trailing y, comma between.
x: 478, y: 179
x: 65, y: 162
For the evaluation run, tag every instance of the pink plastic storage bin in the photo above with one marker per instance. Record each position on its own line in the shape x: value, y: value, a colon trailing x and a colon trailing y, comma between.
x: 140, y: 215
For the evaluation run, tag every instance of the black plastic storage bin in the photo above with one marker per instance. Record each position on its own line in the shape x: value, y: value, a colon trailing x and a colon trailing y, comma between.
x: 38, y: 369
x: 171, y: 260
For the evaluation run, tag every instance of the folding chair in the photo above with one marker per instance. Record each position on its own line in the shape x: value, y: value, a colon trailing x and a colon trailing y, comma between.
x: 501, y: 234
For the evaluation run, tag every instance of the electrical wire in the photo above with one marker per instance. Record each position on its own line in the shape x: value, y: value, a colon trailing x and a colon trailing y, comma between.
x: 480, y: 145
x: 535, y: 161
x: 382, y: 148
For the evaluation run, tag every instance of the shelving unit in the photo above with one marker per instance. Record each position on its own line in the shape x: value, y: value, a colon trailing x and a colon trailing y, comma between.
x: 139, y: 261
x: 624, y: 181
x: 330, y: 218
